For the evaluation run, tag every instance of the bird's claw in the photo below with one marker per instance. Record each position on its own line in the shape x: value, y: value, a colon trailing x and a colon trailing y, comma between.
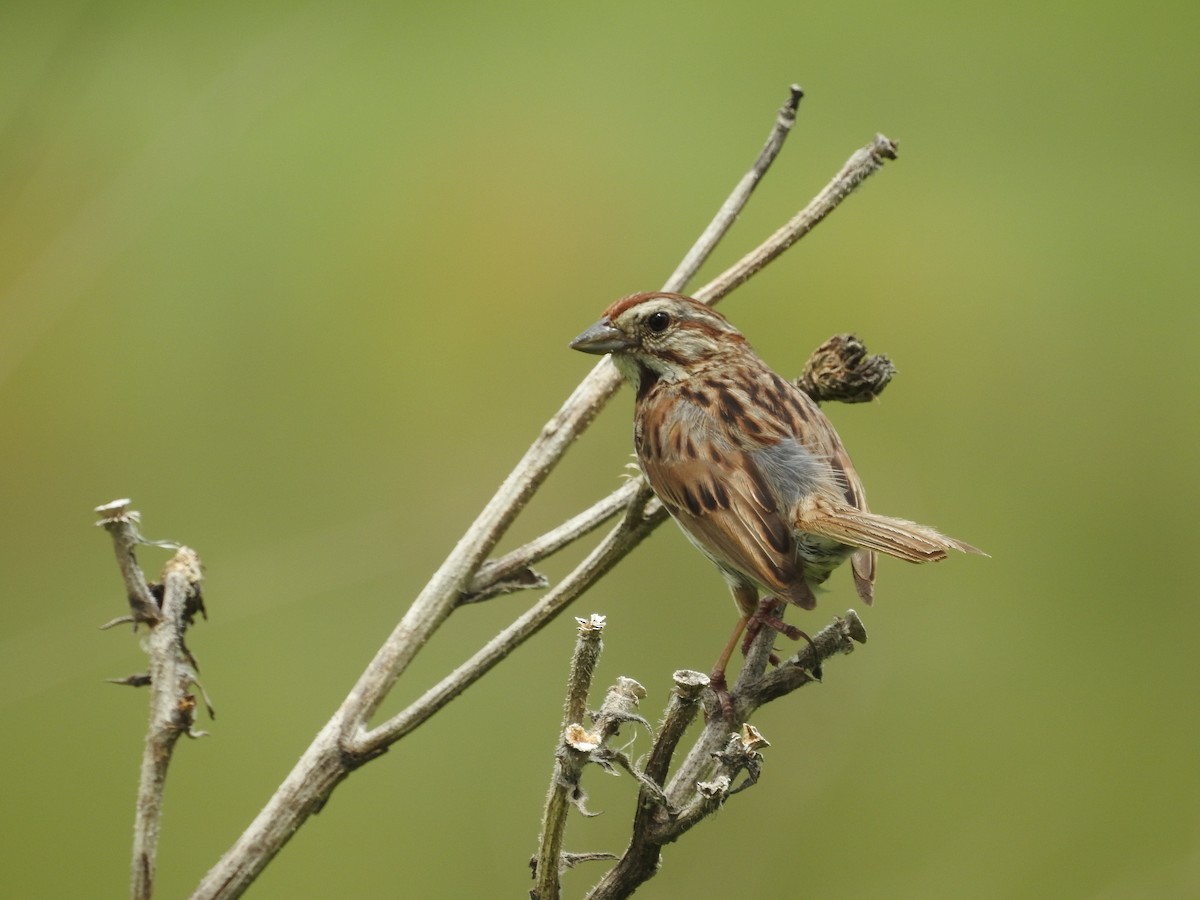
x: 766, y: 615
x: 720, y: 687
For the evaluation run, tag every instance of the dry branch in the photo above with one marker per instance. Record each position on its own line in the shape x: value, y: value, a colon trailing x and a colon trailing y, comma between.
x: 572, y: 754
x: 345, y: 741
x: 172, y: 672
x: 709, y: 775
x: 705, y: 780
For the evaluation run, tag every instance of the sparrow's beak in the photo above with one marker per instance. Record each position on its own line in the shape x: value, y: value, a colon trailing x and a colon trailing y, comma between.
x: 603, y: 337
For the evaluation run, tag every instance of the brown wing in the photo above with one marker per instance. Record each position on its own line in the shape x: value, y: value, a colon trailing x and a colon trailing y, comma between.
x: 719, y: 497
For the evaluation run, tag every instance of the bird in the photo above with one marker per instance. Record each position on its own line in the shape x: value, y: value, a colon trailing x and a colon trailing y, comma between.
x: 746, y: 463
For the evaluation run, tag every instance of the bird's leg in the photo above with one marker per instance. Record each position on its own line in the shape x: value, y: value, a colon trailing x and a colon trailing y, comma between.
x: 766, y: 615
x: 717, y: 679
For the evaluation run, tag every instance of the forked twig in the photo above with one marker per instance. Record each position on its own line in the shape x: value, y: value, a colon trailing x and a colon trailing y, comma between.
x: 857, y: 169
x: 739, y: 197
x: 170, y: 677
x: 861, y: 165
x: 718, y: 766
x: 345, y: 742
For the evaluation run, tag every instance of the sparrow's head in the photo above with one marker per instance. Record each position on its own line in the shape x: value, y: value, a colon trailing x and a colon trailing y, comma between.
x: 661, y: 336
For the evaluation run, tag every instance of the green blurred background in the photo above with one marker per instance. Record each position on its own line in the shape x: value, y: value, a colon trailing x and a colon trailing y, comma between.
x: 299, y: 280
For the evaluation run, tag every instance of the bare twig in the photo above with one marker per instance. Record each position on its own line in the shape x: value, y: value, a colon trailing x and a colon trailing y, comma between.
x: 569, y: 760
x: 681, y: 712
x: 121, y: 522
x: 171, y: 675
x: 859, y: 167
x: 172, y: 710
x: 512, y: 564
x: 640, y: 859
x: 577, y: 748
x: 737, y: 200
x: 640, y: 519
x: 344, y: 743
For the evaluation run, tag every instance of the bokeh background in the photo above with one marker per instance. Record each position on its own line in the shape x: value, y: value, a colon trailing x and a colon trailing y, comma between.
x: 299, y: 280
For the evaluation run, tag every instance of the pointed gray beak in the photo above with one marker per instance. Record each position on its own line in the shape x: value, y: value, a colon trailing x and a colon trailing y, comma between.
x: 602, y: 337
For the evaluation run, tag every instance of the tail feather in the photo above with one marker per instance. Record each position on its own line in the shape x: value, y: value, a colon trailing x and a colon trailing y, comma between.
x: 863, y: 566
x: 895, y: 537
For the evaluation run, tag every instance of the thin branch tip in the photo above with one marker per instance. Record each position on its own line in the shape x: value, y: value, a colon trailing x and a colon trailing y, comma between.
x: 885, y: 148
x: 855, y: 629
x: 114, y: 511
x: 593, y: 623
x: 787, y: 112
x: 690, y: 682
x: 167, y: 607
x: 863, y: 163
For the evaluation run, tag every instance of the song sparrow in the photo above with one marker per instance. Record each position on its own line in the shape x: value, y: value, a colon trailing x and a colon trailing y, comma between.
x: 746, y: 462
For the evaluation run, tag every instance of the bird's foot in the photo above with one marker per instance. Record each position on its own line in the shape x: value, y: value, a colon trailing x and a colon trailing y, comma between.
x: 767, y: 615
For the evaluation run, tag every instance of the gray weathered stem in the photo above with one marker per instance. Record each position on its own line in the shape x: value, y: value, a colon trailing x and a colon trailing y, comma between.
x: 568, y: 761
x: 737, y: 200
x: 121, y: 524
x: 497, y: 570
x: 170, y: 676
x: 640, y: 519
x: 172, y: 711
x: 859, y: 167
x: 640, y: 859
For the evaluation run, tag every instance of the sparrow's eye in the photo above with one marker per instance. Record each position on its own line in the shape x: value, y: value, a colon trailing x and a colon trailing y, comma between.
x: 658, y: 321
